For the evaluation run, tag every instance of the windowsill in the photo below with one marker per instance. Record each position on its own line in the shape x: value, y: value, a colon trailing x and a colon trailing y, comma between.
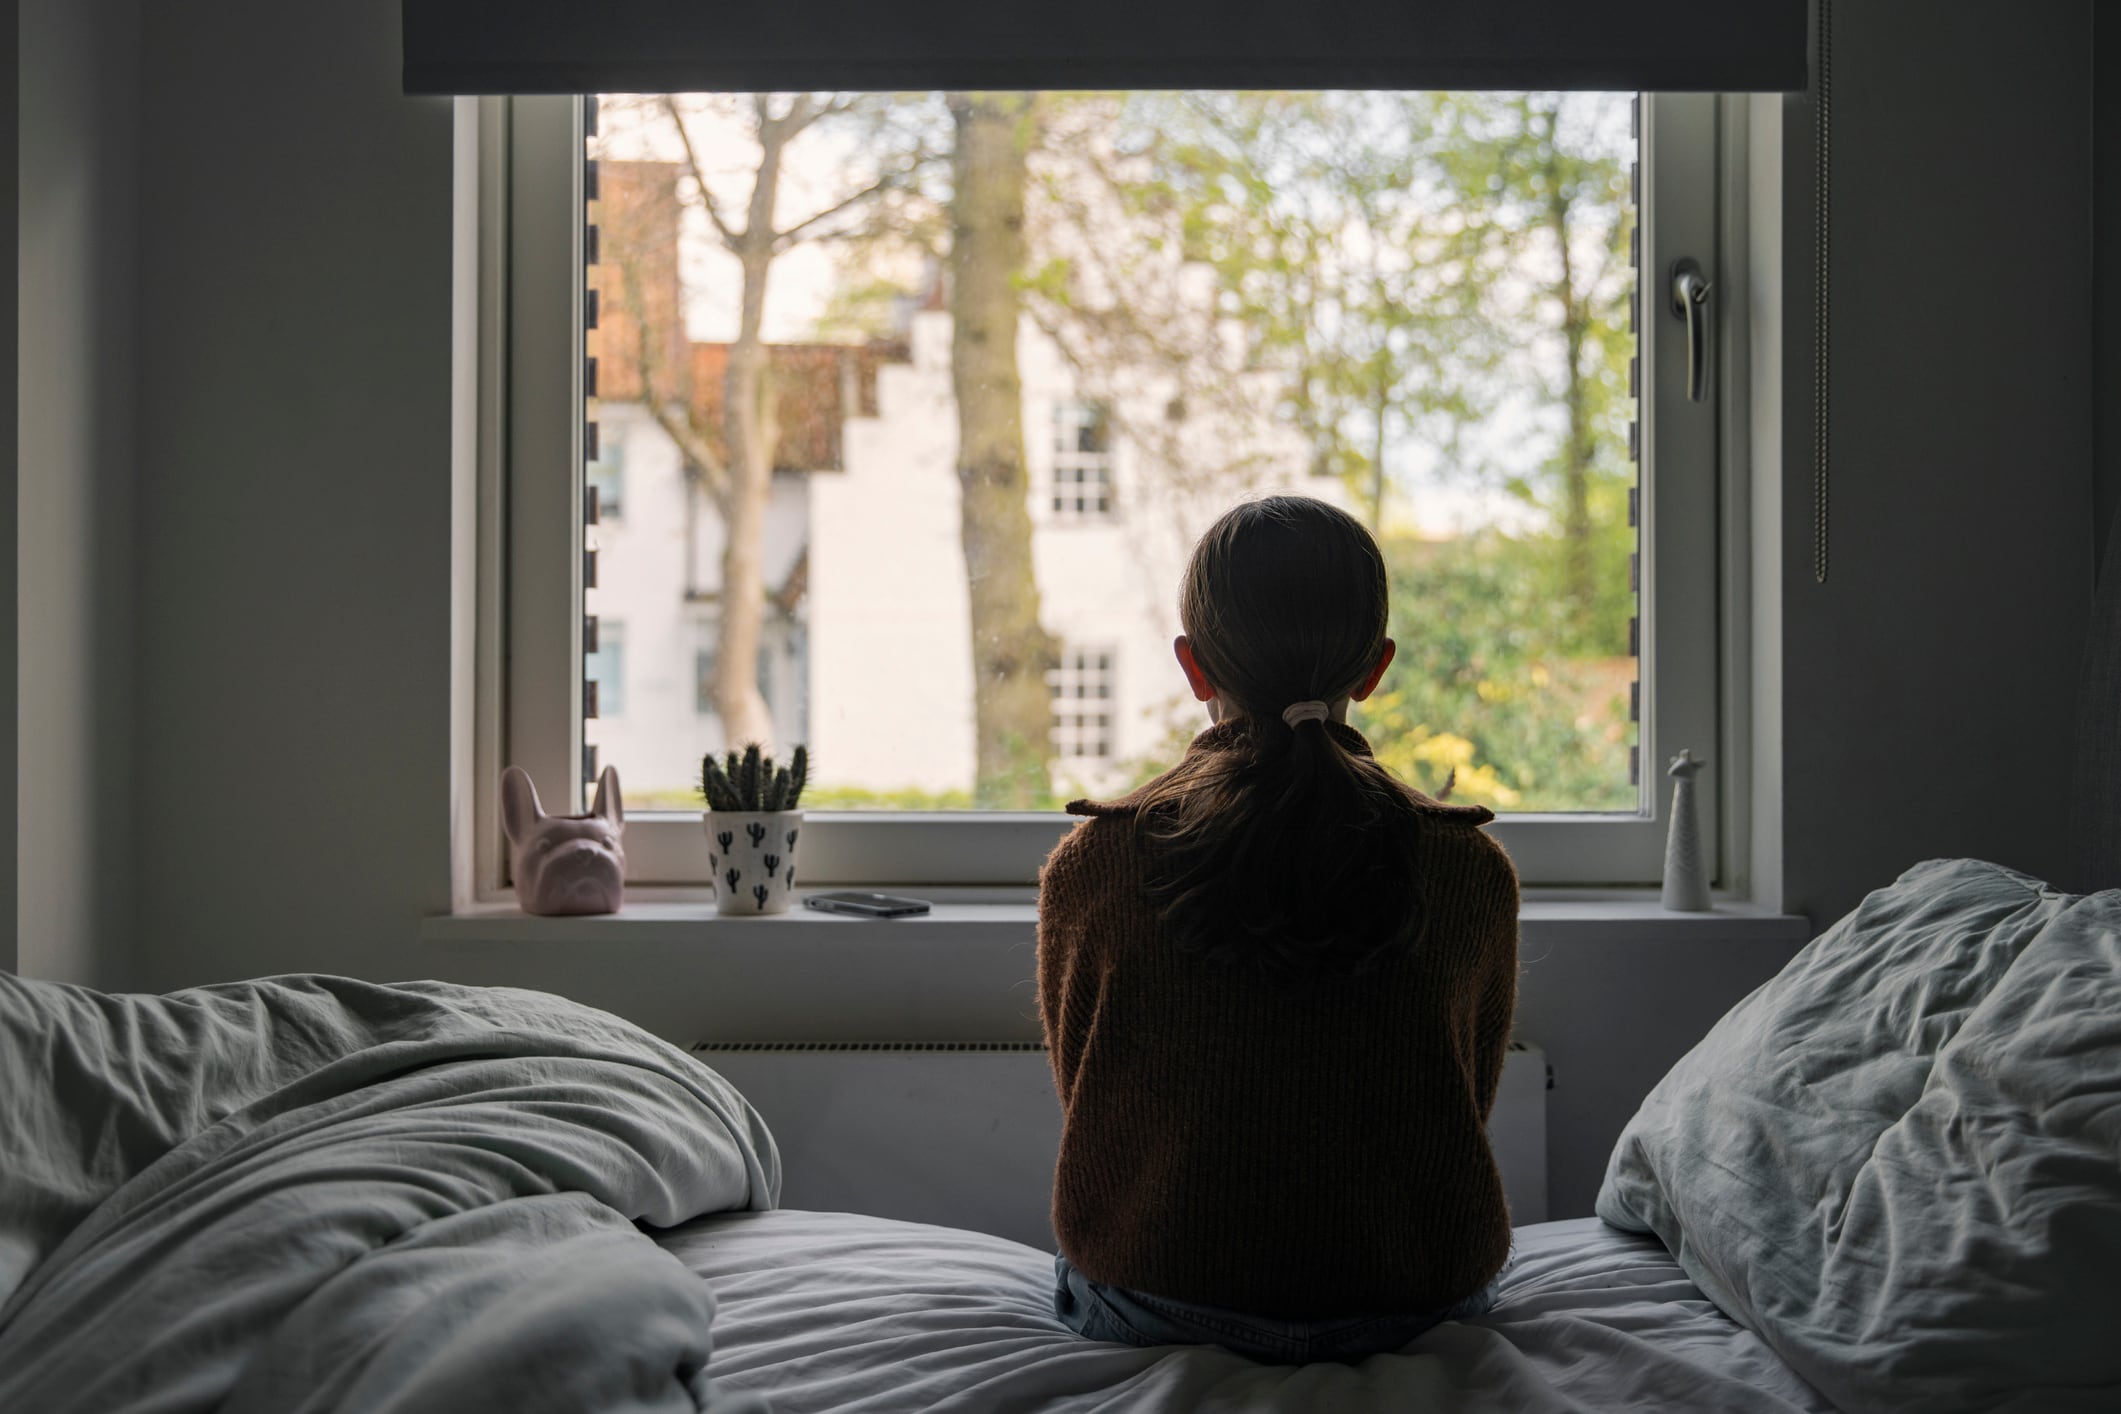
x: 968, y: 972
x: 666, y: 917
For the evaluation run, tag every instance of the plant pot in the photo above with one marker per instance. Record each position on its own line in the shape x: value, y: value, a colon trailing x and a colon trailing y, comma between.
x: 751, y: 854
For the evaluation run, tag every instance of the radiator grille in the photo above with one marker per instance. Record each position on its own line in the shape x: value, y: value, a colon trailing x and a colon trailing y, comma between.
x: 964, y: 1133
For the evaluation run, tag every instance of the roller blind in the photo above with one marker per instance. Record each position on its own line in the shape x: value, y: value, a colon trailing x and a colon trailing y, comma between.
x: 663, y: 46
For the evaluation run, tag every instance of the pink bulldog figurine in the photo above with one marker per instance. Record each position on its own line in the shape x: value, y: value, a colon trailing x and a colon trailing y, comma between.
x: 565, y: 863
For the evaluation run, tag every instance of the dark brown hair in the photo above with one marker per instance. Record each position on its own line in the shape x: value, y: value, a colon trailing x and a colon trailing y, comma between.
x: 1287, y: 848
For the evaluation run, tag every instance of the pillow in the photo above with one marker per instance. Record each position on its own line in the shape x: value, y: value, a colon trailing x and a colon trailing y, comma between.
x: 1899, y: 1161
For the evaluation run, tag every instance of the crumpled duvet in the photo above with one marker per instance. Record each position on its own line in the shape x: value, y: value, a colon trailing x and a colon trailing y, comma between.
x: 1899, y: 1162
x: 313, y: 1193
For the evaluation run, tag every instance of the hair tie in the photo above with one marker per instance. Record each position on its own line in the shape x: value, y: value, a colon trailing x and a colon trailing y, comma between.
x: 1304, y: 712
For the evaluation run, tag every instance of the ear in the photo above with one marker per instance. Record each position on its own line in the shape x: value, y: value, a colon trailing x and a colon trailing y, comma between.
x: 519, y: 803
x: 608, y: 805
x: 1369, y: 684
x: 1203, y: 690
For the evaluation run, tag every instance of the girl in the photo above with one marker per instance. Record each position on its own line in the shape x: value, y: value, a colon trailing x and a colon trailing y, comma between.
x: 1277, y: 985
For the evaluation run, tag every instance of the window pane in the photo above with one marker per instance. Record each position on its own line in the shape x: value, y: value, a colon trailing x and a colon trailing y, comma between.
x: 607, y: 477
x: 921, y: 400
x: 605, y: 666
x: 1082, y: 461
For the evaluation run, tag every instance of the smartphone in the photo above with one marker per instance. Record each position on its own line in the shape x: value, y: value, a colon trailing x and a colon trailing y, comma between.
x: 866, y: 905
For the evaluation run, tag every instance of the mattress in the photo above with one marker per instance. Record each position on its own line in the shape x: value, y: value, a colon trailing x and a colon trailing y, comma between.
x: 837, y: 1311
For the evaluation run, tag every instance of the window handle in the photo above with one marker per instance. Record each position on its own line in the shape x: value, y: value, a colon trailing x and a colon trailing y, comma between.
x: 1690, y: 302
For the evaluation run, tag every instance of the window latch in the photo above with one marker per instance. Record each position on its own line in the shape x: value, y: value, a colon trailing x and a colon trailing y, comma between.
x: 1690, y: 303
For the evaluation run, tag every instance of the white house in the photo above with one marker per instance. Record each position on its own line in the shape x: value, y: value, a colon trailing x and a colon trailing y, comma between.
x: 868, y: 654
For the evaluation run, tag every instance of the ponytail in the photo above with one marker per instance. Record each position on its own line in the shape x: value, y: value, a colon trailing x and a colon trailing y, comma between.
x: 1287, y: 847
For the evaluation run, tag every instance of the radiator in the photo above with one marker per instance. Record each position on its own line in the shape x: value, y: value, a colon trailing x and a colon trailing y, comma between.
x: 965, y: 1135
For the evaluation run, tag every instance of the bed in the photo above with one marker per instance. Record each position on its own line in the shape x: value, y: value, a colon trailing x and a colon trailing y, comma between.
x: 834, y: 1311
x: 1888, y: 1180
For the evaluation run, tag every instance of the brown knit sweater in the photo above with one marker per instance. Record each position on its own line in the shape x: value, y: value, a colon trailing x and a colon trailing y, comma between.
x: 1298, y: 1149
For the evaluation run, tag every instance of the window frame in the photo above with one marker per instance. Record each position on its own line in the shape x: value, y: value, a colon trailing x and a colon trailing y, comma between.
x: 1073, y: 671
x: 1077, y: 464
x: 531, y: 562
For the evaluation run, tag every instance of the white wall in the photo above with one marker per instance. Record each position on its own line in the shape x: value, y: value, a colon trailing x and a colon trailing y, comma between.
x: 291, y: 787
x: 1930, y: 684
x: 865, y: 684
x: 890, y: 619
x: 658, y: 735
x: 80, y: 77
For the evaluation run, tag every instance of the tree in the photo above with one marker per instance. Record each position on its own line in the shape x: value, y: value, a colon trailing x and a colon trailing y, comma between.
x: 1513, y: 663
x: 1549, y: 192
x: 1011, y: 650
x: 1320, y: 215
x: 738, y: 473
x: 1417, y: 264
x: 1478, y: 688
x: 1111, y: 286
x: 1427, y: 283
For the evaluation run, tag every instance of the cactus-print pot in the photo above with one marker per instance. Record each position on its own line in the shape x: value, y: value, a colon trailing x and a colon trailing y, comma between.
x: 751, y: 855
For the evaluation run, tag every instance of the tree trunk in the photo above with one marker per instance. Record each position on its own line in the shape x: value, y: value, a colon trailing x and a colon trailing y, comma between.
x: 1011, y: 652
x: 737, y: 699
x: 748, y: 431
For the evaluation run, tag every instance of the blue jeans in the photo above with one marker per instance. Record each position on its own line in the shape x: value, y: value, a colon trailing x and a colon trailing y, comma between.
x: 1096, y: 1311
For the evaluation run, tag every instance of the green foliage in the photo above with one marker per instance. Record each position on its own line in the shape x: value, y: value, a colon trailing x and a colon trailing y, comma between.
x: 1419, y: 263
x: 1545, y: 184
x: 911, y: 798
x: 1485, y: 686
x: 751, y: 782
x: 1440, y: 284
x: 1025, y: 783
x: 1484, y: 683
x: 1323, y: 216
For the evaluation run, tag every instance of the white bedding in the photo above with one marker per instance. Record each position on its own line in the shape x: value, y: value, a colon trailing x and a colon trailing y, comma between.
x: 312, y: 1194
x: 1900, y: 1160
x: 836, y: 1311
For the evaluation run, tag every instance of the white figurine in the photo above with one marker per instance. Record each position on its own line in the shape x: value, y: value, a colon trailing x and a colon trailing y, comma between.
x: 1686, y: 878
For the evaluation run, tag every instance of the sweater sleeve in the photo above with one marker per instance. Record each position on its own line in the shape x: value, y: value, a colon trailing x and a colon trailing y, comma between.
x: 1495, y: 1004
x: 1067, y: 969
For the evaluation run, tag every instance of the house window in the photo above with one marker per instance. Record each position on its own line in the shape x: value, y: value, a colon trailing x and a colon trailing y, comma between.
x: 777, y: 647
x: 604, y: 671
x: 607, y: 477
x: 1514, y: 426
x: 1082, y: 462
x: 1083, y: 702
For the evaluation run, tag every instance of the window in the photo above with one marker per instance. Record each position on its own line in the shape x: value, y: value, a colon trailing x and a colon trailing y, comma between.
x: 1082, y: 462
x: 604, y: 670
x: 1082, y: 704
x: 1366, y: 297
x: 607, y: 478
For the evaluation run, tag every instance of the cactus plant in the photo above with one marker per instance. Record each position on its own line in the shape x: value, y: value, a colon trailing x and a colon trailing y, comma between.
x: 751, y: 782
